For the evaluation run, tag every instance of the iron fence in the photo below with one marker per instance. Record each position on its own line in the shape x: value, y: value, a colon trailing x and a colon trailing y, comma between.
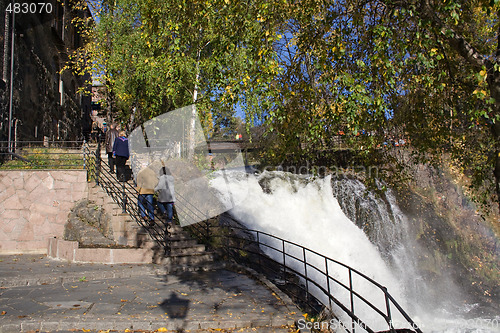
x: 304, y: 274
x: 42, y: 155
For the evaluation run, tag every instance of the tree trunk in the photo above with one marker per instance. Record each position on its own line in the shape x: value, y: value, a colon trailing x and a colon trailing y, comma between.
x: 496, y: 136
x: 194, y: 115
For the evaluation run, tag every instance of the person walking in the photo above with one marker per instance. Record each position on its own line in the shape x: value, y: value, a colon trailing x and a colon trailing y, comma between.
x: 111, y: 135
x: 166, y: 194
x: 121, y: 153
x: 146, y: 182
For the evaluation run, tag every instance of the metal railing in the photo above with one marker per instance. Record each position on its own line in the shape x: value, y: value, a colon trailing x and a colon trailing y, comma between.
x: 41, y: 155
x: 124, y: 194
x: 295, y: 269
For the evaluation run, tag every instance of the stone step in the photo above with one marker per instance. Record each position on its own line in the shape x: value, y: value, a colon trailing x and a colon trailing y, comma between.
x: 174, y: 233
x: 185, y: 254
x: 192, y: 250
x: 196, y: 259
x: 177, y: 242
x: 167, y: 268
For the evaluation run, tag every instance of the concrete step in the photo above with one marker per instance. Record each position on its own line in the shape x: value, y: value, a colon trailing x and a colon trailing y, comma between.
x: 173, y: 233
x: 192, y: 250
x: 185, y: 254
x: 178, y: 242
x: 189, y: 260
x: 168, y: 268
x: 180, y: 245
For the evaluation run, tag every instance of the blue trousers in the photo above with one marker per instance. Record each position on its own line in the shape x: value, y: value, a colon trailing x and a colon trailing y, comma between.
x: 167, y: 208
x: 146, y: 208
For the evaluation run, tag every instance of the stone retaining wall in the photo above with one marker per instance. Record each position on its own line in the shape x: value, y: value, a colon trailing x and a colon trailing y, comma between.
x: 34, y: 206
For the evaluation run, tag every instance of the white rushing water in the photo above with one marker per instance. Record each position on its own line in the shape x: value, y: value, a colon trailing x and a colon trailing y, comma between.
x: 309, y: 214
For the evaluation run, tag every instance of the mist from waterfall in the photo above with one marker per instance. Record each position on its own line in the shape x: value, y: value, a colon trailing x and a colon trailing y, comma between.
x: 342, y: 220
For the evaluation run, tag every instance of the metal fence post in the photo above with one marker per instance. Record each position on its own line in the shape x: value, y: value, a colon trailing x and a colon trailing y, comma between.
x: 258, y: 244
x: 98, y: 162
x: 85, y: 157
x: 305, y: 273
x: 124, y: 198
x: 328, y: 284
x: 388, y: 306
x: 284, y: 259
x: 352, y: 300
x: 207, y: 231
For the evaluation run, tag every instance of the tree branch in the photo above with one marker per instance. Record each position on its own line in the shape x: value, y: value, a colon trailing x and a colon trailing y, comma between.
x: 456, y: 41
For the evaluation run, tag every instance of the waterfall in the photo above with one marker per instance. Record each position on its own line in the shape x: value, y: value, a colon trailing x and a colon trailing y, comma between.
x: 342, y: 220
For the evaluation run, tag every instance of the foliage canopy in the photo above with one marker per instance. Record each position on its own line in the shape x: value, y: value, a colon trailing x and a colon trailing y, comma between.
x: 422, y: 70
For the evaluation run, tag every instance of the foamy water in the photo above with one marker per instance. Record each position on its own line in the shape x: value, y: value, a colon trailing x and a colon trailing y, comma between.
x: 307, y: 213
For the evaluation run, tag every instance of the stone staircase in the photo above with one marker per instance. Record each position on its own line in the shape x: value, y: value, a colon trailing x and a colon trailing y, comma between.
x: 186, y: 254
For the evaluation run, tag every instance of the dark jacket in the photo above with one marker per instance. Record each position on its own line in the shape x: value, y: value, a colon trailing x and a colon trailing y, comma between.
x: 111, y: 135
x: 120, y: 147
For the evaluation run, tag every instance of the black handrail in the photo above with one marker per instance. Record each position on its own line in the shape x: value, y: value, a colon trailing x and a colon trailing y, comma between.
x: 257, y: 239
x: 124, y: 194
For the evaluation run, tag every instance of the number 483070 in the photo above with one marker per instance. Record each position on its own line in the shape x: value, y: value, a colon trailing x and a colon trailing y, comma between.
x: 29, y: 8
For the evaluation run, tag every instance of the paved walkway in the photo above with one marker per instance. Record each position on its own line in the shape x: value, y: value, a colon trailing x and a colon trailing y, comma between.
x: 37, y: 293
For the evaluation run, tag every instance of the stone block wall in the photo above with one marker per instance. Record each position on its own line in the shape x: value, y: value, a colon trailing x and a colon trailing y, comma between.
x: 34, y: 206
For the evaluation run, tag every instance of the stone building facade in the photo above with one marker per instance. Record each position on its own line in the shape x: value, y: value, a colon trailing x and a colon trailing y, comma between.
x: 46, y: 103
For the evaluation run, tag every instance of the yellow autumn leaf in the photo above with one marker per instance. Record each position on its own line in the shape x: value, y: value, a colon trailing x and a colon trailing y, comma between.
x: 482, y: 73
x: 162, y: 329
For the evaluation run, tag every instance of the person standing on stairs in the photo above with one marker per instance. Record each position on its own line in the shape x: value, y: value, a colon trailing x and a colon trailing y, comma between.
x: 146, y: 182
x: 166, y: 194
x: 111, y: 135
x: 121, y: 153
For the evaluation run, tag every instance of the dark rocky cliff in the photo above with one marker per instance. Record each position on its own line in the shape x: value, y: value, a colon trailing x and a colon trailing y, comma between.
x: 459, y: 238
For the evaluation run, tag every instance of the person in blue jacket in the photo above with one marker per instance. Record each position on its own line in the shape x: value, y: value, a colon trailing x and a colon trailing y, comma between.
x: 121, y: 154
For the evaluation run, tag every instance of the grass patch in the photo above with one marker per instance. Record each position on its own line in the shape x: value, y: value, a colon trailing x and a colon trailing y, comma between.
x: 45, y: 158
